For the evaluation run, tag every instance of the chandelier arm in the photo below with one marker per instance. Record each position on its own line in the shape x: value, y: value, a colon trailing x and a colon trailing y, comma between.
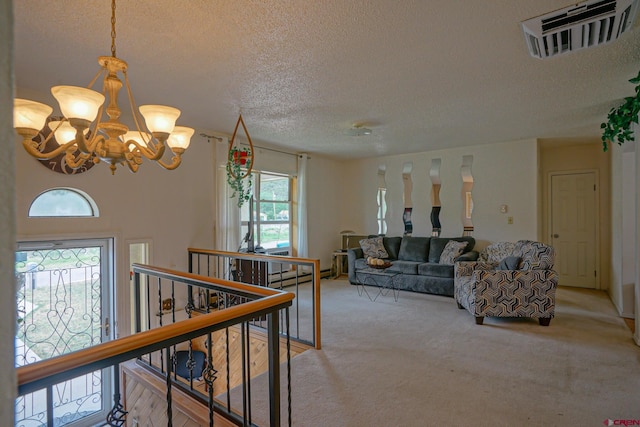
x: 100, y: 72
x: 175, y: 160
x: 132, y: 164
x: 146, y: 152
x: 74, y: 162
x: 135, y: 113
x: 32, y: 148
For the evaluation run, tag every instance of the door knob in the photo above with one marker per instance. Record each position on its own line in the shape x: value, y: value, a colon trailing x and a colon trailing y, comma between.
x: 555, y: 236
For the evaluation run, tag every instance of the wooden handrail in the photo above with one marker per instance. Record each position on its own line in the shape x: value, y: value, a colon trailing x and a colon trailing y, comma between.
x: 285, y: 259
x: 258, y: 257
x: 61, y: 368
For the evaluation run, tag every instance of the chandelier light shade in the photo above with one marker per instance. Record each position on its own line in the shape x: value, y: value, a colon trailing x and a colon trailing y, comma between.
x: 83, y: 136
x: 29, y: 115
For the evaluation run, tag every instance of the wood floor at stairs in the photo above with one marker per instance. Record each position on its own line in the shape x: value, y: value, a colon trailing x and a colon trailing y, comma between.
x: 145, y: 394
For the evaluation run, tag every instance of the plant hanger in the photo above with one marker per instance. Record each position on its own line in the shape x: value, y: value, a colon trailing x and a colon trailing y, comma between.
x: 232, y: 143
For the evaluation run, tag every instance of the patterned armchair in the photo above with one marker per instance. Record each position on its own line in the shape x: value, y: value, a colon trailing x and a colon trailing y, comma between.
x: 509, y: 280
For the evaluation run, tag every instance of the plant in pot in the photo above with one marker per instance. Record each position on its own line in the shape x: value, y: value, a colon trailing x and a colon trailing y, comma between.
x: 619, y: 125
x: 238, y: 159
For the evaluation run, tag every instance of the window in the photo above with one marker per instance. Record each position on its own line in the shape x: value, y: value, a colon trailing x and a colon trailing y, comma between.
x: 271, y: 212
x: 63, y: 202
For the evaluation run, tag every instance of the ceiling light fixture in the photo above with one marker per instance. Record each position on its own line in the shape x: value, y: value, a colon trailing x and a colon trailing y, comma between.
x: 358, y: 130
x: 83, y: 136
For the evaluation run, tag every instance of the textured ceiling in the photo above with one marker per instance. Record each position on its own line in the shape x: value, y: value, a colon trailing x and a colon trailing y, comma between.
x: 422, y: 74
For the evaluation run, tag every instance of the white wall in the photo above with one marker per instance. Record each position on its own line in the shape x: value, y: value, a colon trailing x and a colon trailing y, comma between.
x: 628, y: 223
x: 173, y: 209
x: 7, y: 218
x: 503, y: 173
x: 326, y: 178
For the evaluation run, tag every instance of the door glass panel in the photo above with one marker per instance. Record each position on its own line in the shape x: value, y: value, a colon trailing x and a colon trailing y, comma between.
x: 62, y: 305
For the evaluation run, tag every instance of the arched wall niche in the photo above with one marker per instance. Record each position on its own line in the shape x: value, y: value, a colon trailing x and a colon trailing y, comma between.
x: 406, y: 197
x: 467, y: 198
x: 436, y: 206
x: 381, y: 199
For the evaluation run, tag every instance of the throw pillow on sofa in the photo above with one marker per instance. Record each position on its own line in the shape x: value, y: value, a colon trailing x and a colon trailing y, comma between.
x: 373, y: 248
x: 451, y: 251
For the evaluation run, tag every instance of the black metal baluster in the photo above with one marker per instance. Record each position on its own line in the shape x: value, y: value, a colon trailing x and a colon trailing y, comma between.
x: 273, y: 340
x: 160, y: 316
x: 228, y: 368
x: 244, y: 372
x: 249, y: 372
x: 171, y: 361
x: 49, y: 405
x: 117, y: 416
x: 286, y: 310
x: 209, y: 377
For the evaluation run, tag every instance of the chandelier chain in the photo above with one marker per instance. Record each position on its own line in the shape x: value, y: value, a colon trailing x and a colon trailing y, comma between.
x: 113, y: 28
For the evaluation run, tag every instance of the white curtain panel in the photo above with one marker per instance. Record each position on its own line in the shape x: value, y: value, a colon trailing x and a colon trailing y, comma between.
x: 227, y: 236
x: 303, y: 244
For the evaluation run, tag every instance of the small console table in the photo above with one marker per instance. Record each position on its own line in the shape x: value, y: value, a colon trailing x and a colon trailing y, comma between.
x: 383, y: 279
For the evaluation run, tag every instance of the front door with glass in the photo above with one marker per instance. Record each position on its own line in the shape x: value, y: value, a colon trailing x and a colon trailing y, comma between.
x: 63, y: 305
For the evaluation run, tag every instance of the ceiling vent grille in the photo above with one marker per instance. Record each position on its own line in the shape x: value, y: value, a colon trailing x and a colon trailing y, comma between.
x: 587, y: 24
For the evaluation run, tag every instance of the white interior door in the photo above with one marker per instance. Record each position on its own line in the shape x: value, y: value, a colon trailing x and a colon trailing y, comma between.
x: 574, y: 213
x: 64, y: 305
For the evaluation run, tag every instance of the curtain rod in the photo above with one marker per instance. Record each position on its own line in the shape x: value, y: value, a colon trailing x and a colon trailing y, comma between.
x: 274, y: 150
x: 255, y: 146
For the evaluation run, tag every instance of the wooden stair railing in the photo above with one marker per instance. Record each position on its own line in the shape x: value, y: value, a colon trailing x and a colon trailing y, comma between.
x: 46, y: 373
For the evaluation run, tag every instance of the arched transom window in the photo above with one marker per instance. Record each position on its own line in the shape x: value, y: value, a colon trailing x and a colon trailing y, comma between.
x: 63, y: 202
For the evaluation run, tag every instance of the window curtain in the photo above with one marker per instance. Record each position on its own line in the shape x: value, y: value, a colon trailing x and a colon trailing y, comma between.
x: 303, y: 244
x: 227, y: 236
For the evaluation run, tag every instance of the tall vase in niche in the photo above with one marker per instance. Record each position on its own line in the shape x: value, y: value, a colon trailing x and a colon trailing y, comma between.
x: 382, y: 200
x: 406, y: 197
x: 467, y: 199
x: 434, y: 174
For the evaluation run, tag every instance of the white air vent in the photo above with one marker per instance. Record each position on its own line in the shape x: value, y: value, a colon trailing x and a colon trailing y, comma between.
x: 587, y: 24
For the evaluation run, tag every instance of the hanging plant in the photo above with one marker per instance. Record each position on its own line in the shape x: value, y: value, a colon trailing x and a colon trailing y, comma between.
x: 239, y: 166
x: 618, y: 127
x: 236, y: 178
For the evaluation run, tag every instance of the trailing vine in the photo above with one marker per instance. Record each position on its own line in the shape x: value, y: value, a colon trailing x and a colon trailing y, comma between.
x: 235, y: 177
x: 619, y: 125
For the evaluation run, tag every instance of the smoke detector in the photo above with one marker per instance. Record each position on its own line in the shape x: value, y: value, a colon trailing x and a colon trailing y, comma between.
x: 358, y: 129
x: 579, y: 26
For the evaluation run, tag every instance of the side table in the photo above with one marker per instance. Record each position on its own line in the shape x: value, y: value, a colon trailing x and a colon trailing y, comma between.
x: 339, y: 258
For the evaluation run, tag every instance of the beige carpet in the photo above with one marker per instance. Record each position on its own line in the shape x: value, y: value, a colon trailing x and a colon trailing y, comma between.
x: 421, y: 361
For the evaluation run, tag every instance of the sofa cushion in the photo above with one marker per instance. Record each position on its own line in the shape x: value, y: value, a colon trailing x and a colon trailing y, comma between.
x: 392, y: 245
x: 373, y: 248
x: 414, y: 249
x: 437, y: 245
x: 451, y: 251
x: 404, y: 267
x: 509, y: 263
x: 435, y: 270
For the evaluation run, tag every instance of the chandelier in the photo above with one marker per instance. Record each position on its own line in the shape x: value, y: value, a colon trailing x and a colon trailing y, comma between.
x: 83, y: 136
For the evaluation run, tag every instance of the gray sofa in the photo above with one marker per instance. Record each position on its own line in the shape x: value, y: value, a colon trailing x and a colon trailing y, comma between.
x: 417, y: 259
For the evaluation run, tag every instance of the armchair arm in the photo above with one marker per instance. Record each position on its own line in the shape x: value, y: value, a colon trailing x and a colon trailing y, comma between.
x: 526, y: 279
x: 466, y: 268
x: 352, y: 256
